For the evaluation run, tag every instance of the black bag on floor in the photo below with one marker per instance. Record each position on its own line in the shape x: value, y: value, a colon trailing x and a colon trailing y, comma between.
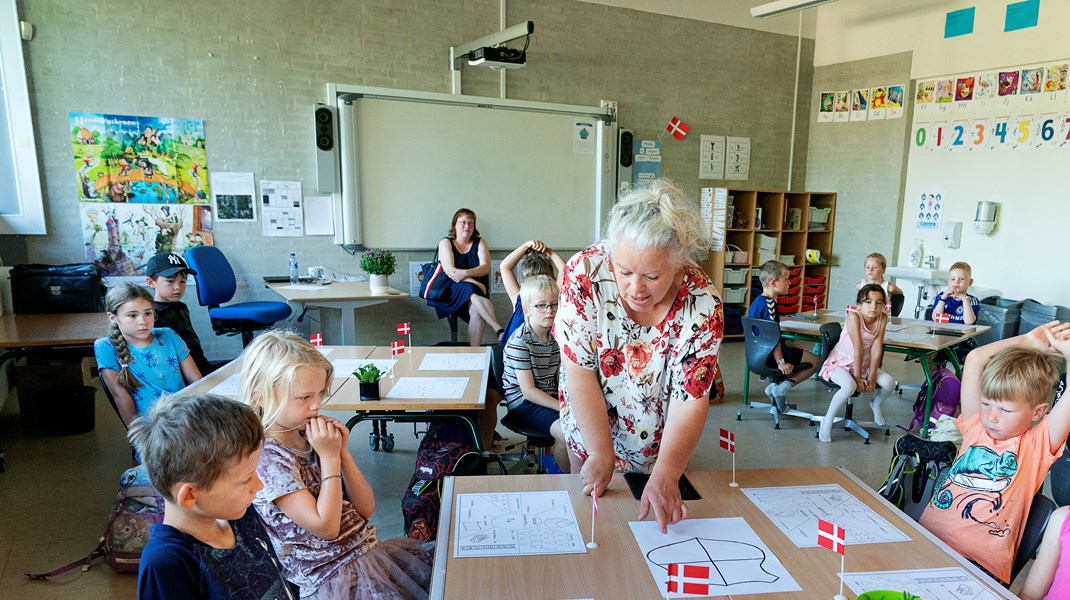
x: 52, y: 289
x: 916, y: 469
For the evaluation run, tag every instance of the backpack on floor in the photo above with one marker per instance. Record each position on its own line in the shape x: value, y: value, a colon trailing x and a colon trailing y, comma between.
x: 137, y: 507
x: 916, y: 469
x: 946, y: 391
x: 441, y: 453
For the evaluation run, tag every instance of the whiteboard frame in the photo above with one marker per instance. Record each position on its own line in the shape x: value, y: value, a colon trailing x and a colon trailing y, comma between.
x: 347, y: 201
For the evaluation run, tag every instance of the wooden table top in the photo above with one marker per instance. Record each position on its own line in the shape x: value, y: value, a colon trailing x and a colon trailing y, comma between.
x: 408, y: 365
x: 617, y: 569
x: 67, y: 329
x: 902, y: 332
x: 338, y: 291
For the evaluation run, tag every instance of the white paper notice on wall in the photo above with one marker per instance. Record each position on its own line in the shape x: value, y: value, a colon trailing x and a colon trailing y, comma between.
x: 737, y: 158
x: 713, y: 206
x: 930, y: 206
x: 319, y: 216
x: 583, y: 137
x: 280, y: 202
x: 711, y: 157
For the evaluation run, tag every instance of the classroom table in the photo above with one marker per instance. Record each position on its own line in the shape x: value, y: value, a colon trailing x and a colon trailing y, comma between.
x: 464, y: 410
x: 343, y: 296
x: 911, y: 337
x: 617, y: 568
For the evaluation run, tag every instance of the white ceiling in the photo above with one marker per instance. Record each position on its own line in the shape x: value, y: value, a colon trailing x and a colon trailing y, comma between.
x: 726, y: 12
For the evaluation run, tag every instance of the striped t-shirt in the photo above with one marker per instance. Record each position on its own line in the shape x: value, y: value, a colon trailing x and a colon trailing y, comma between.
x: 526, y: 352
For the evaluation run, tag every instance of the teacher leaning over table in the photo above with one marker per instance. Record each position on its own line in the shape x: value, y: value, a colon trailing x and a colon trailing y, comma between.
x: 639, y: 327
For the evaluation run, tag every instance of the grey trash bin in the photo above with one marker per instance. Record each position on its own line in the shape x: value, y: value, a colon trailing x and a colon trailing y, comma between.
x: 66, y: 409
x: 1002, y: 315
x: 1035, y: 314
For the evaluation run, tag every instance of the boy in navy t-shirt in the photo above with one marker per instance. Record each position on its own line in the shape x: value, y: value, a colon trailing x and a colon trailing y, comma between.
x: 774, y: 278
x: 954, y: 301
x: 201, y: 453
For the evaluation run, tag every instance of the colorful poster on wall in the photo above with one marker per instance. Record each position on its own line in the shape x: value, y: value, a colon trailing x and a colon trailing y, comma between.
x: 929, y: 206
x: 878, y: 103
x: 859, y: 105
x: 120, y: 237
x: 895, y: 102
x: 143, y: 160
x: 825, y: 110
x: 843, y: 106
x: 647, y: 163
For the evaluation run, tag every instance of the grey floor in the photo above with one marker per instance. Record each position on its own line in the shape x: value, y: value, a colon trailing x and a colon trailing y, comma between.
x: 57, y: 491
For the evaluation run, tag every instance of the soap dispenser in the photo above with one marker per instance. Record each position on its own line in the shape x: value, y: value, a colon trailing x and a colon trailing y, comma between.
x: 915, y: 254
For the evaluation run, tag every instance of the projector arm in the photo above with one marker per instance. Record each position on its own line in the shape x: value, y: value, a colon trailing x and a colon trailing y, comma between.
x: 495, y: 39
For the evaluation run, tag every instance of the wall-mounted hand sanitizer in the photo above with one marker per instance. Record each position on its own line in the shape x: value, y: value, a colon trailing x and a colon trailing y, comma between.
x: 952, y: 233
x: 915, y: 254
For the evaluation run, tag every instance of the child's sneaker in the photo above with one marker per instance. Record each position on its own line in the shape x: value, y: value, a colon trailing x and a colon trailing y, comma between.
x: 550, y: 465
x: 776, y: 397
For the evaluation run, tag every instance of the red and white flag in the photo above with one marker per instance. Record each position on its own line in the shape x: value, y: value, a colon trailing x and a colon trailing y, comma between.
x: 831, y: 536
x: 397, y: 348
x: 887, y: 307
x: 851, y: 308
x: 689, y: 579
x: 404, y: 328
x: 316, y: 339
x: 594, y: 501
x: 942, y: 318
x: 728, y: 440
x: 677, y: 128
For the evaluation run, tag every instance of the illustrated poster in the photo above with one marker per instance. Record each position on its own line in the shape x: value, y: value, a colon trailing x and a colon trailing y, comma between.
x: 119, y: 238
x: 930, y: 205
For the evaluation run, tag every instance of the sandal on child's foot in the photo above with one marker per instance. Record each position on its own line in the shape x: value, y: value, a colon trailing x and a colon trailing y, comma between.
x: 499, y: 334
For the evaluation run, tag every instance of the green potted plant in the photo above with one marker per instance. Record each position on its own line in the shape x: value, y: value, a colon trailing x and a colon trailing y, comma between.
x: 379, y: 264
x: 368, y: 377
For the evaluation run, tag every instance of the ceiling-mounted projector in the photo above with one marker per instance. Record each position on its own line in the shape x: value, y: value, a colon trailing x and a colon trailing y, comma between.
x: 497, y: 57
x: 783, y: 7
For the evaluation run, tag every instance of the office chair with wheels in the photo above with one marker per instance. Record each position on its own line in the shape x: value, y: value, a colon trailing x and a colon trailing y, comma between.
x: 830, y: 335
x: 760, y: 338
x: 216, y: 284
x: 535, y: 444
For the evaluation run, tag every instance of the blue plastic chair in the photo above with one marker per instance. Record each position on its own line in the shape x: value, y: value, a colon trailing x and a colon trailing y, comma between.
x: 216, y: 285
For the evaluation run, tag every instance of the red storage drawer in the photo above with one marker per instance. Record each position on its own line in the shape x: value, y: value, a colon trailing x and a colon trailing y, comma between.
x: 787, y: 310
x: 793, y: 291
x: 794, y: 281
x: 796, y: 272
x: 787, y: 300
x: 815, y: 280
x: 814, y: 290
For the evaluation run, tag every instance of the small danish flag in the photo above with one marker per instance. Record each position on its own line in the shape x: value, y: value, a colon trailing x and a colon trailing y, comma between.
x: 887, y: 307
x: 689, y: 579
x: 404, y: 328
x: 677, y: 128
x: 942, y: 318
x: 851, y: 308
x: 728, y: 440
x: 316, y: 339
x: 831, y: 536
x: 397, y: 348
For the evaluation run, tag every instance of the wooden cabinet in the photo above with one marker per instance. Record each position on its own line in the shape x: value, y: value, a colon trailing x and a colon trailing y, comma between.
x: 763, y: 226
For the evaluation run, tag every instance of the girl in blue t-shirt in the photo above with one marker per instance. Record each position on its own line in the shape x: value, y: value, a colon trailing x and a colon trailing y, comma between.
x: 140, y: 363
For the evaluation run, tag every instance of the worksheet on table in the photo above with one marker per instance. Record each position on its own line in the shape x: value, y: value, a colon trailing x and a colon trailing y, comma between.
x: 453, y: 362
x: 344, y: 367
x: 428, y: 387
x: 949, y: 583
x: 515, y: 524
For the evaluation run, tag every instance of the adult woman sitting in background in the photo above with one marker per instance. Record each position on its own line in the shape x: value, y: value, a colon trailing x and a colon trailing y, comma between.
x: 465, y: 259
x: 639, y: 326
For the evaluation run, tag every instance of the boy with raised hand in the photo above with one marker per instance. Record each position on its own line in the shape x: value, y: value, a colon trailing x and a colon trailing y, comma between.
x: 788, y: 356
x: 166, y: 274
x: 1008, y: 442
x: 958, y: 305
x: 201, y: 453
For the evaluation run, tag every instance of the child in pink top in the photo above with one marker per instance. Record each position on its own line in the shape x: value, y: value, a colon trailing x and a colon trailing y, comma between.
x: 1049, y: 577
x: 1008, y: 444
x: 855, y: 363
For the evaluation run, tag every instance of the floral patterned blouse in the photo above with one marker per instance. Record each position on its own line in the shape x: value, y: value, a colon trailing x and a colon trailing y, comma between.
x: 640, y: 369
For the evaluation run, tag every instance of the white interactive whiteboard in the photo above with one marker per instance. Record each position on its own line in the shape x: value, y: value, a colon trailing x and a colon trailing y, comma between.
x: 528, y: 170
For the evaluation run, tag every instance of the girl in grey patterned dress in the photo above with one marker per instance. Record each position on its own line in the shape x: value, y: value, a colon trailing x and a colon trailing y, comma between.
x: 316, y: 503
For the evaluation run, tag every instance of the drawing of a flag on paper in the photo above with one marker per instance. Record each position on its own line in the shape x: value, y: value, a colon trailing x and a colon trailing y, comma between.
x: 677, y: 128
x: 728, y: 440
x: 831, y: 536
x: 689, y: 579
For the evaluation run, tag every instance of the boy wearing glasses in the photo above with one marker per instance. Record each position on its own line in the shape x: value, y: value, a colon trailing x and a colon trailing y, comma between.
x: 533, y: 362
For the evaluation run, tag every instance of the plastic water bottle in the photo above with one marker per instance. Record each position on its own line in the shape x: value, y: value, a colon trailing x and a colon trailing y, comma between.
x: 294, y: 278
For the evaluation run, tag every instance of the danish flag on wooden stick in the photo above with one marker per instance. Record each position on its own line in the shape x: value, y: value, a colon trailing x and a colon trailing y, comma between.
x: 942, y: 318
x: 404, y: 328
x: 316, y: 339
x: 397, y: 347
x: 677, y: 128
x: 831, y: 536
x: 728, y: 440
x: 851, y: 308
x: 689, y: 579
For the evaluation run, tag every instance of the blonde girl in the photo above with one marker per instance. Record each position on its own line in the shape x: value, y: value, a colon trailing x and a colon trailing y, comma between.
x: 875, y: 267
x: 316, y: 503
x: 855, y: 363
x: 139, y: 363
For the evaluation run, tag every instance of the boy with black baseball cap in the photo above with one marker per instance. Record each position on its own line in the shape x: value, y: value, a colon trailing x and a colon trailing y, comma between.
x: 166, y: 274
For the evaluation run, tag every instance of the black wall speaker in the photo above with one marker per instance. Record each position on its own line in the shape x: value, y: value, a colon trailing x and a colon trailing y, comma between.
x: 326, y: 149
x: 625, y: 160
x: 626, y: 149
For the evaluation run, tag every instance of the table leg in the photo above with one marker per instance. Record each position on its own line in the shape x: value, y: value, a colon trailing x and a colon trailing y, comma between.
x: 928, y: 392
x: 746, y: 384
x: 349, y: 326
x: 427, y: 417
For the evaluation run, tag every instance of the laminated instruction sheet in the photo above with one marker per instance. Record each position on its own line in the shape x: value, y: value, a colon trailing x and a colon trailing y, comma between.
x: 515, y: 524
x: 949, y: 583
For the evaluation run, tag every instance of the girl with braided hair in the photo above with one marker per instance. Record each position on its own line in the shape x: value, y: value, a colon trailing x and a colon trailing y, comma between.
x: 138, y: 362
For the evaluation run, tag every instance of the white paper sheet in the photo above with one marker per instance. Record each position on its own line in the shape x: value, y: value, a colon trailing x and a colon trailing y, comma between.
x: 711, y: 157
x: 428, y: 387
x: 950, y: 583
x: 740, y: 561
x: 453, y: 362
x: 516, y: 524
x: 234, y: 196
x: 737, y: 158
x: 228, y: 387
x: 305, y: 286
x: 319, y: 215
x: 344, y: 367
x: 280, y: 202
x: 795, y: 510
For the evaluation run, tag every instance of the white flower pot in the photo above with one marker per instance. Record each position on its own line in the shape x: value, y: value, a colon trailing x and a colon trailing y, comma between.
x: 380, y: 284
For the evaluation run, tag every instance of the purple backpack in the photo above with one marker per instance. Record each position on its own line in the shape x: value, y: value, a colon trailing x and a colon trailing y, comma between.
x: 946, y: 391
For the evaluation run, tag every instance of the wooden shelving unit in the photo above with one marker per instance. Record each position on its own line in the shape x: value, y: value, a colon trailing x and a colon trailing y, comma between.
x: 768, y: 225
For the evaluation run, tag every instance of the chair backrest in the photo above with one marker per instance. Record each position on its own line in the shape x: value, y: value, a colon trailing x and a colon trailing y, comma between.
x: 760, y: 337
x: 497, y: 363
x: 1035, y: 524
x: 830, y: 336
x: 111, y: 399
x: 215, y: 278
x: 897, y: 304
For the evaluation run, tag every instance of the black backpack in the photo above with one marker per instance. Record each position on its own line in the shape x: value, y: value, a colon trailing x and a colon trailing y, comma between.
x: 916, y: 469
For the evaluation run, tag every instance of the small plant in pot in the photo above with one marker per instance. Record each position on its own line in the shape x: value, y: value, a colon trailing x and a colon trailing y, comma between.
x: 379, y: 264
x: 368, y: 377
